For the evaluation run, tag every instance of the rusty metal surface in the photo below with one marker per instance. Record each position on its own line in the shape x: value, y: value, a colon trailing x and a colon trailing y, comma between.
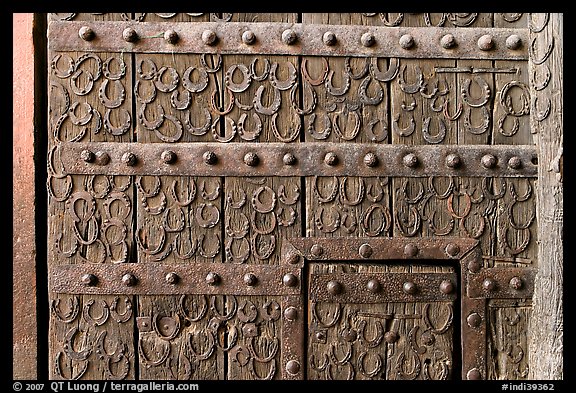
x: 383, y: 248
x: 286, y: 39
x: 310, y: 159
x: 473, y: 336
x: 390, y: 287
x: 501, y: 283
x: 293, y: 359
x: 158, y: 279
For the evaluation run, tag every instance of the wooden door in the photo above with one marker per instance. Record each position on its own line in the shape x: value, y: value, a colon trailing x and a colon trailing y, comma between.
x: 290, y: 196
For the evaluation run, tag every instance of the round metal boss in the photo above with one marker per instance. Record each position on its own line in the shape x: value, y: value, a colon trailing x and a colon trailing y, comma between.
x: 86, y: 33
x: 171, y: 36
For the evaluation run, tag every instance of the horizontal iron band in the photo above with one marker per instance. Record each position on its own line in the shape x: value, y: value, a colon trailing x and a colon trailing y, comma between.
x: 309, y: 160
x: 382, y: 248
x: 502, y: 283
x: 151, y: 279
x: 354, y: 287
x: 108, y: 37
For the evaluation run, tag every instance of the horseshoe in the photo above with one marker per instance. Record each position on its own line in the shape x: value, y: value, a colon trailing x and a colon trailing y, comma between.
x: 139, y: 96
x: 116, y: 356
x: 513, y: 221
x: 57, y: 72
x: 203, y: 129
x: 491, y: 195
x: 257, y: 204
x: 439, y: 137
x: 447, y: 324
x: 443, y: 373
x: 70, y: 252
x: 209, y: 196
x: 264, y: 75
x: 466, y: 209
x: 403, y: 131
x: 524, y: 197
x: 147, y: 250
x: 237, y: 233
x: 208, y: 69
x: 534, y: 58
x: 156, y: 209
x: 334, y: 91
x: 418, y: 196
x: 122, y: 128
x: 267, y: 253
x: 416, y: 224
x: 389, y: 74
x: 124, y: 187
x: 414, y: 87
x: 214, y: 107
x: 429, y: 95
x: 195, y: 87
x: 515, y: 127
x: 479, y: 231
x: 469, y: 18
x: 369, y: 131
x: 91, y: 235
x: 65, y: 96
x: 506, y: 100
x: 154, y: 124
x: 332, y: 194
x: 73, y: 305
x: 171, y: 335
x: 201, y: 314
x: 378, y: 337
x: 285, y: 84
x: 166, y: 87
x: 176, y: 136
x: 149, y: 75
x: 475, y: 102
x: 58, y: 126
x: 355, y: 130
x: 148, y: 194
x: 327, y: 228
x: 361, y: 189
x: 327, y: 127
x: 246, y: 78
x: 272, y: 352
x: 236, y: 205
x: 293, y: 99
x: 378, y: 197
x: 266, y: 110
x: 396, y: 21
x: 255, y: 376
x: 90, y: 187
x: 442, y: 231
x: 103, y: 95
x: 321, y: 323
x: 366, y: 220
x: 117, y: 196
x: 290, y: 221
x: 408, y: 108
x: 420, y: 350
x: 248, y: 316
x: 68, y: 346
x: 90, y: 202
x: 249, y: 135
x: 521, y: 247
x: 308, y: 78
x: 377, y: 367
x: 400, y: 368
x: 208, y: 352
x: 292, y: 135
x: 334, y: 358
x: 288, y: 200
x: 124, y: 317
x: 179, y: 104
x: 275, y: 312
x: 154, y: 363
x: 541, y: 115
x: 265, y: 231
x: 58, y: 369
x: 191, y: 193
x: 449, y: 189
x: 321, y: 367
x: 539, y: 86
x: 216, y: 132
x: 238, y: 259
x: 428, y: 20
x: 80, y: 121
x: 106, y: 69
x: 176, y: 246
x: 203, y: 252
x: 89, y: 84
x: 537, y: 29
x: 213, y: 219
x: 181, y: 222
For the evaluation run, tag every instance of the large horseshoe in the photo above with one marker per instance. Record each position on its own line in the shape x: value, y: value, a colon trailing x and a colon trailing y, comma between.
x: 387, y: 75
x: 154, y: 363
x: 103, y: 94
x: 201, y: 314
x: 266, y: 110
x: 327, y: 127
x: 69, y: 346
x: 195, y: 87
x: 286, y: 84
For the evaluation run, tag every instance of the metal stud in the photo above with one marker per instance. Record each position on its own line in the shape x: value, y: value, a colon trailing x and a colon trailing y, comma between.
x: 86, y: 33
x: 172, y: 278
x: 130, y: 35
x: 316, y: 250
x: 210, y: 158
x: 516, y: 283
x: 515, y: 162
x: 448, y: 41
x: 406, y: 41
x: 410, y: 250
x: 212, y: 279
x: 289, y: 37
x: 129, y: 279
x: 89, y: 279
x: 474, y: 266
x: 251, y: 159
x: 290, y: 280
x: 453, y: 161
x: 87, y: 156
x: 291, y: 313
x: 293, y: 367
x: 129, y: 158
x: 248, y: 37
x: 474, y: 374
x: 410, y: 160
x: 250, y: 279
x: 446, y: 287
x: 293, y: 259
x: 374, y: 286
x: 513, y: 42
x: 331, y: 158
x: 209, y: 37
x: 368, y: 39
x: 489, y: 285
x: 329, y: 38
x: 334, y: 287
x: 452, y: 249
x: 365, y: 250
x: 474, y: 320
x: 102, y: 158
x: 488, y: 161
x: 370, y: 160
x: 171, y: 36
x: 391, y: 337
x: 485, y: 42
x: 168, y: 157
x: 289, y: 159
x: 410, y: 288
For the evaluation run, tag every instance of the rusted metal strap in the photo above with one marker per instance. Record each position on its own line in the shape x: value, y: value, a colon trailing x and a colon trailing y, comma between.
x: 383, y: 287
x: 298, y: 159
x: 175, y: 279
x: 501, y: 283
x: 289, y: 39
x: 382, y: 248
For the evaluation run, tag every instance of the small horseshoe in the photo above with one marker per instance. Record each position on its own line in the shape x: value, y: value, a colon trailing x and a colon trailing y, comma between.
x: 286, y: 200
x: 534, y: 58
x: 118, y: 353
x: 216, y: 131
x: 395, y: 22
x: 539, y: 86
x: 156, y: 209
x: 147, y: 250
x: 408, y: 108
x: 321, y: 367
x: 255, y: 246
x: 348, y: 68
x: 68, y: 346
x: 122, y: 128
x: 403, y: 131
x: 246, y: 78
x: 475, y: 102
x: 334, y: 358
x: 247, y: 316
x: 447, y: 324
x: 106, y: 69
x: 203, y: 252
x: 249, y: 135
x: 90, y: 187
x: 121, y: 318
x: 176, y: 328
x: 237, y: 233
x: 257, y: 204
x: 275, y: 312
x: 124, y: 187
x: 380, y: 194
x: 264, y: 75
x: 272, y: 352
x: 149, y: 75
x: 343, y: 197
x: 202, y: 130
x: 166, y: 87
x: 103, y: 95
x: 439, y: 137
x: 80, y: 121
x: 524, y: 197
x: 154, y: 124
x: 214, y: 107
x: 285, y: 84
x: 521, y: 247
x: 541, y: 115
x: 416, y: 224
x: 418, y: 196
x: 429, y: 95
x: 90, y: 202
x: 449, y: 189
x: 89, y: 84
x: 238, y: 259
x: 233, y: 204
x: 176, y: 247
x: 154, y: 363
x: 479, y: 231
x: 491, y: 195
x: 443, y: 373
x: 428, y: 20
x: 407, y: 375
x: 512, y: 221
x: 208, y: 69
x: 369, y: 131
x: 340, y: 91
x: 456, y: 115
x: 293, y: 99
x: 58, y: 126
x: 213, y: 219
x: 321, y: 323
x: 377, y: 367
x: 195, y: 87
x: 333, y: 192
x: 414, y: 87
x: 292, y: 135
x: 209, y: 196
x: 308, y: 78
x: 265, y: 231
x: 139, y: 96
x: 148, y: 194
x: 94, y: 57
x: 327, y: 127
x: 469, y: 18
x: 389, y: 74
x: 179, y: 104
x: 266, y: 110
x: 58, y: 369
x: 201, y: 314
x: 450, y: 205
x: 91, y: 235
x: 327, y: 228
x: 177, y: 135
x: 515, y: 127
x: 125, y: 201
x: 73, y: 305
x: 289, y: 222
x: 441, y: 231
x: 378, y: 337
x: 108, y: 375
x: 180, y: 224
x: 506, y: 100
x: 355, y: 130
x: 537, y: 29
x: 255, y: 376
x: 57, y: 72
x: 209, y: 350
x: 366, y: 220
x: 191, y: 193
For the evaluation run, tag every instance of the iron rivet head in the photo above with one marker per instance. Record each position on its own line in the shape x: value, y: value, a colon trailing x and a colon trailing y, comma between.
x: 489, y: 284
x: 290, y: 280
x: 474, y: 266
x: 485, y: 42
x: 371, y: 160
x: 86, y: 33
x: 474, y: 374
x: 291, y: 313
x: 130, y: 35
x: 168, y: 157
x: 212, y: 279
x: 102, y: 158
x: 171, y: 36
x: 410, y: 160
x: 331, y: 158
x: 250, y: 279
x: 448, y: 41
x: 172, y: 278
x: 452, y: 249
x: 129, y: 159
x: 248, y: 37
x: 453, y: 161
x: 446, y: 287
x: 365, y: 251
x: 516, y: 283
x: 87, y: 156
x: 89, y: 279
x: 368, y: 39
x: 293, y: 259
x: 334, y: 287
x: 129, y: 279
x: 406, y: 41
x: 289, y: 37
x: 474, y: 320
x: 329, y: 38
x: 488, y: 161
x: 293, y: 367
x: 289, y: 159
x: 210, y: 157
x: 410, y: 250
x: 251, y: 159
x: 316, y: 250
x: 391, y: 337
x: 209, y: 37
x: 515, y: 162
x: 513, y: 42
x: 410, y: 288
x: 320, y: 336
x: 374, y: 286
